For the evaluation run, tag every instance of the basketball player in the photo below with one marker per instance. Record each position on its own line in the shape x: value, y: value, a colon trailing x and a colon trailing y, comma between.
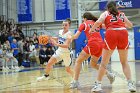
x: 116, y: 36
x: 93, y: 48
x: 63, y: 52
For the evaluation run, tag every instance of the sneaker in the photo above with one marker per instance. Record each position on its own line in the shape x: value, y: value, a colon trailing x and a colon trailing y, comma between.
x: 42, y: 78
x: 12, y: 67
x: 111, y: 77
x: 97, y: 87
x: 74, y: 84
x: 4, y: 69
x: 17, y: 68
x: 131, y: 86
x: 7, y: 67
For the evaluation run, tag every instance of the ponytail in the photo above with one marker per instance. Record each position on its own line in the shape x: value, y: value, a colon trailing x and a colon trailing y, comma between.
x: 89, y: 16
x: 111, y: 6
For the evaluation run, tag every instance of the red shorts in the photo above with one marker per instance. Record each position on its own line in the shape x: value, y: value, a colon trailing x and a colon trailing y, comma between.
x: 116, y: 38
x: 94, y: 48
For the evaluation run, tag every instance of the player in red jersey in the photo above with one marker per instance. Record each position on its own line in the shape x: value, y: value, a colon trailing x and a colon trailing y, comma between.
x: 93, y: 48
x: 116, y: 36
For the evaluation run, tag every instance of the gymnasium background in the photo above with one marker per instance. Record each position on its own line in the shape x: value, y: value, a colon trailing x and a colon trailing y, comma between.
x: 45, y: 16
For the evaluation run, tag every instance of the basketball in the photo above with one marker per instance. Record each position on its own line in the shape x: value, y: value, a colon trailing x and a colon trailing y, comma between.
x: 43, y: 39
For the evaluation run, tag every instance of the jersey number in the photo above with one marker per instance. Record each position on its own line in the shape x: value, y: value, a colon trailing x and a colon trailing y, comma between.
x: 60, y: 42
x: 97, y: 29
x: 115, y: 18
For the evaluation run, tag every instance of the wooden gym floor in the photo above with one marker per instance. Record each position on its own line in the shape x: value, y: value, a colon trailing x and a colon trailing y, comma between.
x: 24, y: 81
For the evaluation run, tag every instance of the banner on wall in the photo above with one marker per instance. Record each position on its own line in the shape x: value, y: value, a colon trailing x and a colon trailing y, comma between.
x: 129, y: 4
x: 24, y: 10
x: 62, y: 9
x: 137, y: 42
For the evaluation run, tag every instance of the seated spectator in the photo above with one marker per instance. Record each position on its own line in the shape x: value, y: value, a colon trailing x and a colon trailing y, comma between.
x: 11, y: 60
x: 2, y: 59
x: 31, y: 46
x: 11, y: 37
x: 14, y: 47
x: 21, y: 52
x: 34, y: 56
x: 49, y: 53
x: 42, y: 55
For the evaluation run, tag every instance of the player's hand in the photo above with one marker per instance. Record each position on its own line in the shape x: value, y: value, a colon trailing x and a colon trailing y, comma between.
x: 54, y: 42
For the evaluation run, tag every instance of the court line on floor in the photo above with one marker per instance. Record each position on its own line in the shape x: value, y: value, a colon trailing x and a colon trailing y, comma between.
x: 15, y: 86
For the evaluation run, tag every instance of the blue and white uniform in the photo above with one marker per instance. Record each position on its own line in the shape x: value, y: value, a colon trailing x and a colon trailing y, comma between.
x: 63, y: 53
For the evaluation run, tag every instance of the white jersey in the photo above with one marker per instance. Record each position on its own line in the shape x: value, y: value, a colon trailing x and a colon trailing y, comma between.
x: 62, y: 39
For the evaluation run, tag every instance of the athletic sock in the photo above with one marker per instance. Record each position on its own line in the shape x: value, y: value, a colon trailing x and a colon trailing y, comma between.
x: 46, y: 75
x: 99, y: 82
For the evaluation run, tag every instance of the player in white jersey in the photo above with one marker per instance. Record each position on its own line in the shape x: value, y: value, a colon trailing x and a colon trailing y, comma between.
x: 63, y: 52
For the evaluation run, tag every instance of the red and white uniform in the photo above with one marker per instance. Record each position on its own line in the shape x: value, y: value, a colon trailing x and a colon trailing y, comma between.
x: 116, y: 34
x: 94, y: 45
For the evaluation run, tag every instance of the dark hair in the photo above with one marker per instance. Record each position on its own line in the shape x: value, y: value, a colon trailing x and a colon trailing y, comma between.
x: 68, y: 20
x: 89, y: 16
x: 112, y: 7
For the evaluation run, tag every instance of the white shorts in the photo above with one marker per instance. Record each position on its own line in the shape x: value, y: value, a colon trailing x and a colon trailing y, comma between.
x: 65, y: 56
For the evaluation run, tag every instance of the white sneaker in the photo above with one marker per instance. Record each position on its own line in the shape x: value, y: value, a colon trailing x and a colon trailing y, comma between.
x: 17, y: 68
x: 111, y: 77
x: 7, y: 68
x: 4, y: 69
x: 42, y: 78
x: 97, y: 87
x: 12, y: 67
x: 74, y: 84
x: 131, y: 87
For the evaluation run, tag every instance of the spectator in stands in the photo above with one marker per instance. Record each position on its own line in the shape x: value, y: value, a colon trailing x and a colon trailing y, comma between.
x: 49, y: 53
x: 34, y: 56
x: 26, y: 49
x: 31, y: 46
x: 42, y: 55
x: 14, y: 47
x: 26, y: 44
x: 11, y: 37
x: 11, y: 60
x: 35, y: 36
x: 2, y: 58
x: 6, y: 45
x: 19, y: 30
x: 21, y: 52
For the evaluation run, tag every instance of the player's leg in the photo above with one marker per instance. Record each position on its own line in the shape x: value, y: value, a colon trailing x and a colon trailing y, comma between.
x: 55, y: 58
x: 123, y: 54
x: 82, y: 57
x: 67, y: 61
x: 94, y: 62
x: 69, y: 70
x: 122, y: 46
x: 106, y: 54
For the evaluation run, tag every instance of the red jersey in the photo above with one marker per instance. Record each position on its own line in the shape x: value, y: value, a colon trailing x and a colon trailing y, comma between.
x: 112, y: 21
x: 116, y: 34
x: 90, y: 36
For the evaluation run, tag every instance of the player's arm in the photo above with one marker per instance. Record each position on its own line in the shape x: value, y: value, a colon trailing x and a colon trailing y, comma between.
x: 103, y: 26
x: 127, y: 22
x: 53, y: 39
x: 66, y: 44
x: 81, y: 28
x: 76, y: 35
